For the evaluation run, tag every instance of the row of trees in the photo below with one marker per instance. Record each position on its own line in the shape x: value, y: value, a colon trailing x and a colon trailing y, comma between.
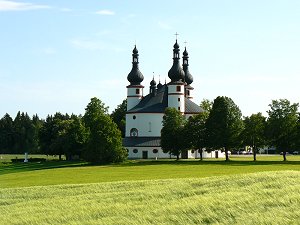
x: 93, y: 136
x: 222, y: 126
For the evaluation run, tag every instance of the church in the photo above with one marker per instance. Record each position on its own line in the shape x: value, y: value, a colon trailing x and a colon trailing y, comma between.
x: 145, y: 113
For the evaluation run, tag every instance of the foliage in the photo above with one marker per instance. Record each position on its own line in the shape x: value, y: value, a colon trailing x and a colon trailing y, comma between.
x: 195, y: 132
x: 172, y: 138
x: 6, y: 134
x: 254, y: 132
x: 119, y: 116
x: 282, y: 125
x: 224, y: 125
x: 215, y: 200
x: 206, y: 104
x: 104, y: 144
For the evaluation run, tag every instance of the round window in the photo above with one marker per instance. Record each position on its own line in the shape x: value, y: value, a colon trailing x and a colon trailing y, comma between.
x: 193, y: 151
x: 134, y: 117
x: 155, y: 151
x: 135, y: 151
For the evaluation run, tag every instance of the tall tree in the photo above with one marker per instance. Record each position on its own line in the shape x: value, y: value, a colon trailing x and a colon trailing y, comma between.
x: 119, y: 116
x: 254, y: 132
x: 6, y: 134
x: 224, y: 124
x: 104, y: 144
x: 282, y: 124
x: 172, y: 132
x: 206, y: 104
x: 195, y: 133
x: 23, y: 133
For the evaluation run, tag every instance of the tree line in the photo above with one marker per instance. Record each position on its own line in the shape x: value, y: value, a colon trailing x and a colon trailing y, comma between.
x: 97, y: 136
x: 94, y: 136
x: 221, y: 126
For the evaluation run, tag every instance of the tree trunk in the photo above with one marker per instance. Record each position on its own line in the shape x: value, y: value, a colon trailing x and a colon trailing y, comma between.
x: 177, y: 157
x: 59, y: 157
x: 226, y: 154
x: 200, y: 152
x: 284, y: 155
x: 254, y: 153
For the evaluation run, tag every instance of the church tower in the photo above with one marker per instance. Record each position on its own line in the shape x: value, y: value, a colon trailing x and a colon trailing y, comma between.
x: 135, y: 77
x: 176, y: 90
x: 188, y: 78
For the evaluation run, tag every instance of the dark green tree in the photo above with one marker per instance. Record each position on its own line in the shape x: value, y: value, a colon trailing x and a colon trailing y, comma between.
x: 195, y: 133
x: 254, y: 132
x: 23, y: 133
x: 119, y: 116
x: 6, y: 134
x: 224, y: 125
x: 104, y: 144
x: 282, y: 125
x: 172, y: 132
x: 206, y: 104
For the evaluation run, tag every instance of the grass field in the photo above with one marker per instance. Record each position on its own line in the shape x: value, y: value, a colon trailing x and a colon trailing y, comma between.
x: 152, y: 192
x: 258, y: 198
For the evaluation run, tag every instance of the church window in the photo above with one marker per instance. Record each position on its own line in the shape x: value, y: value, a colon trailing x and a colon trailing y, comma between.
x: 185, y: 61
x: 188, y: 92
x: 179, y: 99
x: 134, y: 117
x: 155, y: 151
x: 179, y: 108
x: 134, y: 132
x: 150, y: 126
x: 137, y: 91
x: 178, y: 88
x: 135, y: 151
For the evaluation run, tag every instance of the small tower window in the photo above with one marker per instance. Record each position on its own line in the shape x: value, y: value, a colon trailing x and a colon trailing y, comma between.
x: 185, y: 61
x: 179, y: 108
x: 137, y: 91
x: 188, y: 92
x: 149, y: 126
x: 179, y: 99
x: 178, y: 88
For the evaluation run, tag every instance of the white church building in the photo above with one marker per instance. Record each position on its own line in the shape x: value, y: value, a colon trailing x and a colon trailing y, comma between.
x: 145, y: 112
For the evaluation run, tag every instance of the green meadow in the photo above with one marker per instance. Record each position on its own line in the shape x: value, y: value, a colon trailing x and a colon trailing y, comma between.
x: 152, y: 192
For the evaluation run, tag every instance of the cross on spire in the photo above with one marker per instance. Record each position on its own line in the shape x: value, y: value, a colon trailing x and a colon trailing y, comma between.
x: 176, y: 35
x: 185, y: 43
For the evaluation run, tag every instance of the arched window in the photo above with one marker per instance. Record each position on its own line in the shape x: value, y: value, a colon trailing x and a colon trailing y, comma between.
x: 134, y: 132
x: 149, y: 126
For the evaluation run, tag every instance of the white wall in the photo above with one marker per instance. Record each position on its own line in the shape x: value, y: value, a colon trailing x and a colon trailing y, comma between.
x: 142, y: 124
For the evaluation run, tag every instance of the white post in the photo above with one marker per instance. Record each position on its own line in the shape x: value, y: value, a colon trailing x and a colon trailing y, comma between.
x: 26, y: 157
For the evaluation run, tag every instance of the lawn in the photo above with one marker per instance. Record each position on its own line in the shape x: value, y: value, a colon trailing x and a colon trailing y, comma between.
x: 256, y: 198
x: 55, y: 172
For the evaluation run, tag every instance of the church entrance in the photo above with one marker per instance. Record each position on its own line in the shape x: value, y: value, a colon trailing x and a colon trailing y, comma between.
x: 145, y: 154
x: 217, y: 154
x: 184, y: 154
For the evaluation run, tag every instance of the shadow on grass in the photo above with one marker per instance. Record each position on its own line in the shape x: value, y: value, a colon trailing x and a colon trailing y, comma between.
x: 23, y: 167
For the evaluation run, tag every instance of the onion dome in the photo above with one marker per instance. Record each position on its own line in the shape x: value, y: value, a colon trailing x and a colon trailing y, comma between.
x: 135, y: 77
x: 188, y: 78
x: 176, y: 73
x: 153, y: 82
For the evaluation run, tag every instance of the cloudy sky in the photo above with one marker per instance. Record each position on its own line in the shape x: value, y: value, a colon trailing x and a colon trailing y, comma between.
x: 56, y: 55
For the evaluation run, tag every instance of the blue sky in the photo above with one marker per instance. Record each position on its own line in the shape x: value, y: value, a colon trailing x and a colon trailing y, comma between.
x: 56, y: 55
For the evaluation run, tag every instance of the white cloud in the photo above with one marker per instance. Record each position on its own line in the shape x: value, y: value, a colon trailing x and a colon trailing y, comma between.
x: 106, y: 12
x: 6, y: 5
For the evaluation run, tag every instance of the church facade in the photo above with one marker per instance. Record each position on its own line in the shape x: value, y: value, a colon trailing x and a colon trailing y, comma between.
x: 145, y: 112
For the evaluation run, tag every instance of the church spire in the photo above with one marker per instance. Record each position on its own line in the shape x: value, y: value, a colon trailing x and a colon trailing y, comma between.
x: 188, y: 76
x: 176, y: 73
x: 135, y: 77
